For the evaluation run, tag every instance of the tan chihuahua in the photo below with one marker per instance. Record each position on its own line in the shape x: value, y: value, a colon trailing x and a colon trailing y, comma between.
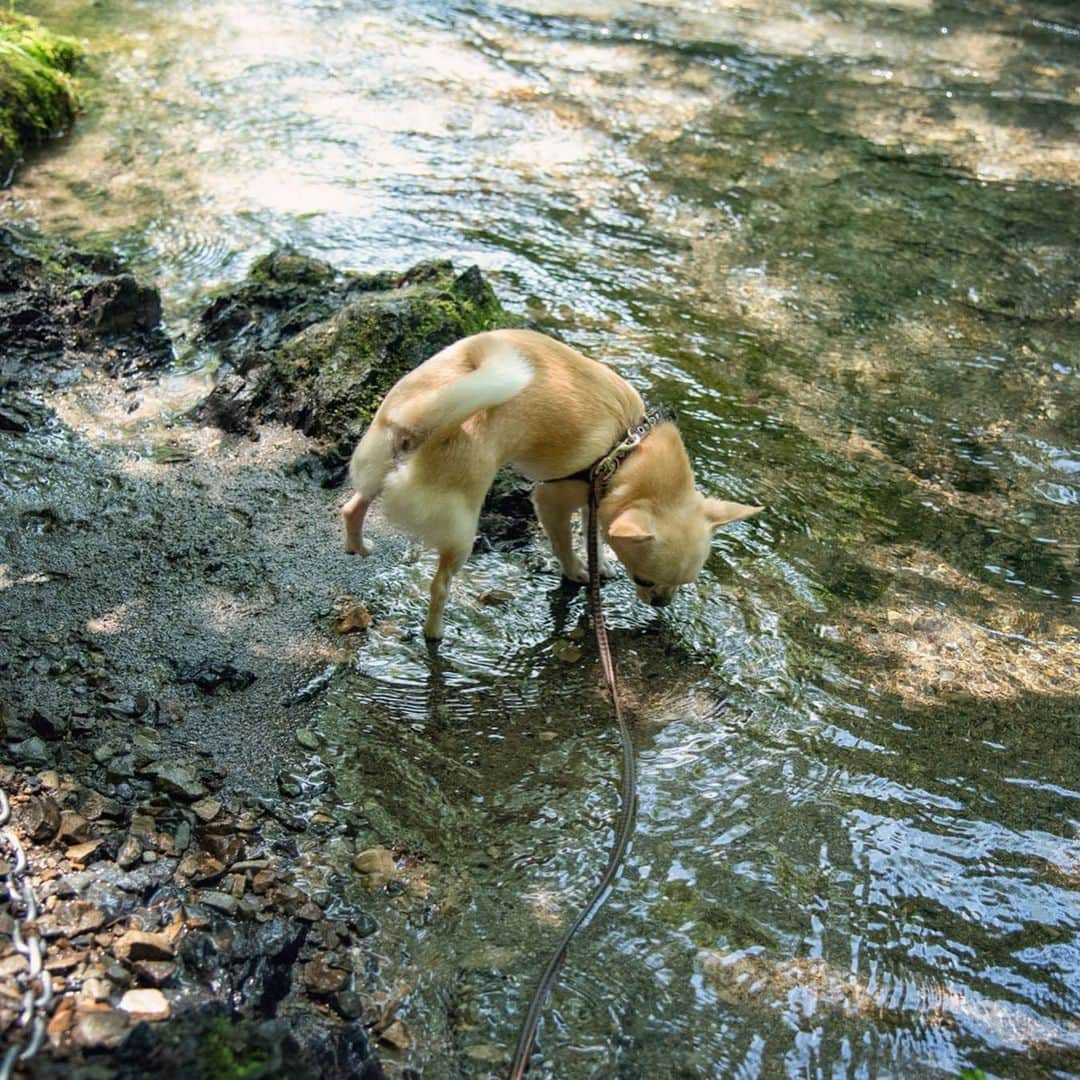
x: 515, y: 397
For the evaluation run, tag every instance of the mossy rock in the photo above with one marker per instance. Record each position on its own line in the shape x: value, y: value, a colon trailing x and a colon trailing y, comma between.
x: 317, y: 349
x: 37, y: 97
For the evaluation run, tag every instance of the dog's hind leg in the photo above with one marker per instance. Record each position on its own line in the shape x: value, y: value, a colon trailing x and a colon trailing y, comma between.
x: 451, y: 530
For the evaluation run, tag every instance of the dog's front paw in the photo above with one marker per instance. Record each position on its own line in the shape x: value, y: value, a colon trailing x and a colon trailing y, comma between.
x: 576, y: 571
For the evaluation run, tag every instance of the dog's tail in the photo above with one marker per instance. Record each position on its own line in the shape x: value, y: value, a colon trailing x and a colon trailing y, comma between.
x: 502, y: 374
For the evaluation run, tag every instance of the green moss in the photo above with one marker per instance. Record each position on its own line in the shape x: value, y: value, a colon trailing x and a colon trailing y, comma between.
x: 224, y: 1062
x: 37, y: 98
x: 287, y: 267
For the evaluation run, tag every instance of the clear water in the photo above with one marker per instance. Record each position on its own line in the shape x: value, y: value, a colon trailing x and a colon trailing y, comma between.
x: 842, y: 239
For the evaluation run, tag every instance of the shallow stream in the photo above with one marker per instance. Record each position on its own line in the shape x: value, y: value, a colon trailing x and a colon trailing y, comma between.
x: 841, y: 239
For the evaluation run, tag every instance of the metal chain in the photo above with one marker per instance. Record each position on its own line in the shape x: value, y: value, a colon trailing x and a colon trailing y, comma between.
x: 22, y: 903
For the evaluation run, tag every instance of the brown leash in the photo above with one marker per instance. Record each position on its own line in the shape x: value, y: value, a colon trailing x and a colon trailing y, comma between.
x: 628, y: 801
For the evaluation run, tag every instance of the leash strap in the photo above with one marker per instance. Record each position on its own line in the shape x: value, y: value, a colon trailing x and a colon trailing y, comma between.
x: 628, y: 801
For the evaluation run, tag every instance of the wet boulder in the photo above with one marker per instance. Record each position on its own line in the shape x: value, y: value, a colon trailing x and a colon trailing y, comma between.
x: 63, y: 308
x: 210, y: 1042
x: 284, y: 293
x: 311, y: 347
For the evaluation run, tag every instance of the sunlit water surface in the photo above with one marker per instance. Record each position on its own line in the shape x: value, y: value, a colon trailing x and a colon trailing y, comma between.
x: 842, y: 240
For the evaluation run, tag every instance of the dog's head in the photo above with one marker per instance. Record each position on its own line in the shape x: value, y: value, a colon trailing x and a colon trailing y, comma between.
x: 662, y: 551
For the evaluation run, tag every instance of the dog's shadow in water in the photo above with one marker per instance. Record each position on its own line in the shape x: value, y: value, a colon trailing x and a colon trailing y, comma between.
x: 657, y: 680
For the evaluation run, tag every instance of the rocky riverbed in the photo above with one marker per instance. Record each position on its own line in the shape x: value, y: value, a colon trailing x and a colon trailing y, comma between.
x: 171, y: 603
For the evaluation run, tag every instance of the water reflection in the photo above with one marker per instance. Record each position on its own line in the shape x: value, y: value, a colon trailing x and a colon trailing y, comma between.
x: 839, y: 238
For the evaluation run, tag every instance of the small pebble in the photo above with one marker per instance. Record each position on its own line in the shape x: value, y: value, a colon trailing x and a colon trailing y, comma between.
x: 307, y: 738
x: 145, y: 1004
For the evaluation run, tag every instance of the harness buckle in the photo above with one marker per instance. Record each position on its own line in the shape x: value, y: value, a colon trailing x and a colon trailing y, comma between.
x: 606, y: 467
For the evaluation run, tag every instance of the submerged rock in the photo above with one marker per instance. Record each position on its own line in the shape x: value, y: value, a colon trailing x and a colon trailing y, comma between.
x: 318, y: 349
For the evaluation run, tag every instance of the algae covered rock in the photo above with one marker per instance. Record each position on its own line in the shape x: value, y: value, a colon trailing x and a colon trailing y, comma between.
x: 63, y: 308
x: 317, y: 349
x: 284, y: 293
x: 37, y: 99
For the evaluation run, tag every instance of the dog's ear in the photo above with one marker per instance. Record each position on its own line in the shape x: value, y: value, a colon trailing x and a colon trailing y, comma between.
x: 632, y: 525
x: 718, y: 512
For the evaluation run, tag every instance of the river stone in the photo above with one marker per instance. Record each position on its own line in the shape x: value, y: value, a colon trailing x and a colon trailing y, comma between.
x: 80, y: 853
x: 219, y: 901
x: 566, y: 651
x: 140, y: 945
x: 396, y: 1035
x: 74, y: 828
x: 104, y: 751
x: 179, y: 780
x: 99, y: 1026
x: 49, y: 724
x: 486, y: 1053
x: 145, y: 1004
x: 289, y: 786
x: 200, y: 866
x: 314, y: 1044
x: 37, y: 95
x: 154, y: 972
x: 206, y: 809
x: 94, y: 805
x: 307, y: 738
x: 70, y: 918
x: 120, y: 769
x: 182, y: 836
x: 350, y: 1004
x: 38, y: 818
x: 226, y: 849
x: 142, y: 825
x: 60, y: 300
x: 33, y: 751
x: 59, y: 962
x: 351, y: 616
x: 320, y: 977
x: 130, y: 852
x: 95, y: 989
x: 375, y: 866
x: 309, y: 912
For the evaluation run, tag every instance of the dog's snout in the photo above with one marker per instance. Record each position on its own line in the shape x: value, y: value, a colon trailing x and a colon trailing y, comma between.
x: 659, y: 601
